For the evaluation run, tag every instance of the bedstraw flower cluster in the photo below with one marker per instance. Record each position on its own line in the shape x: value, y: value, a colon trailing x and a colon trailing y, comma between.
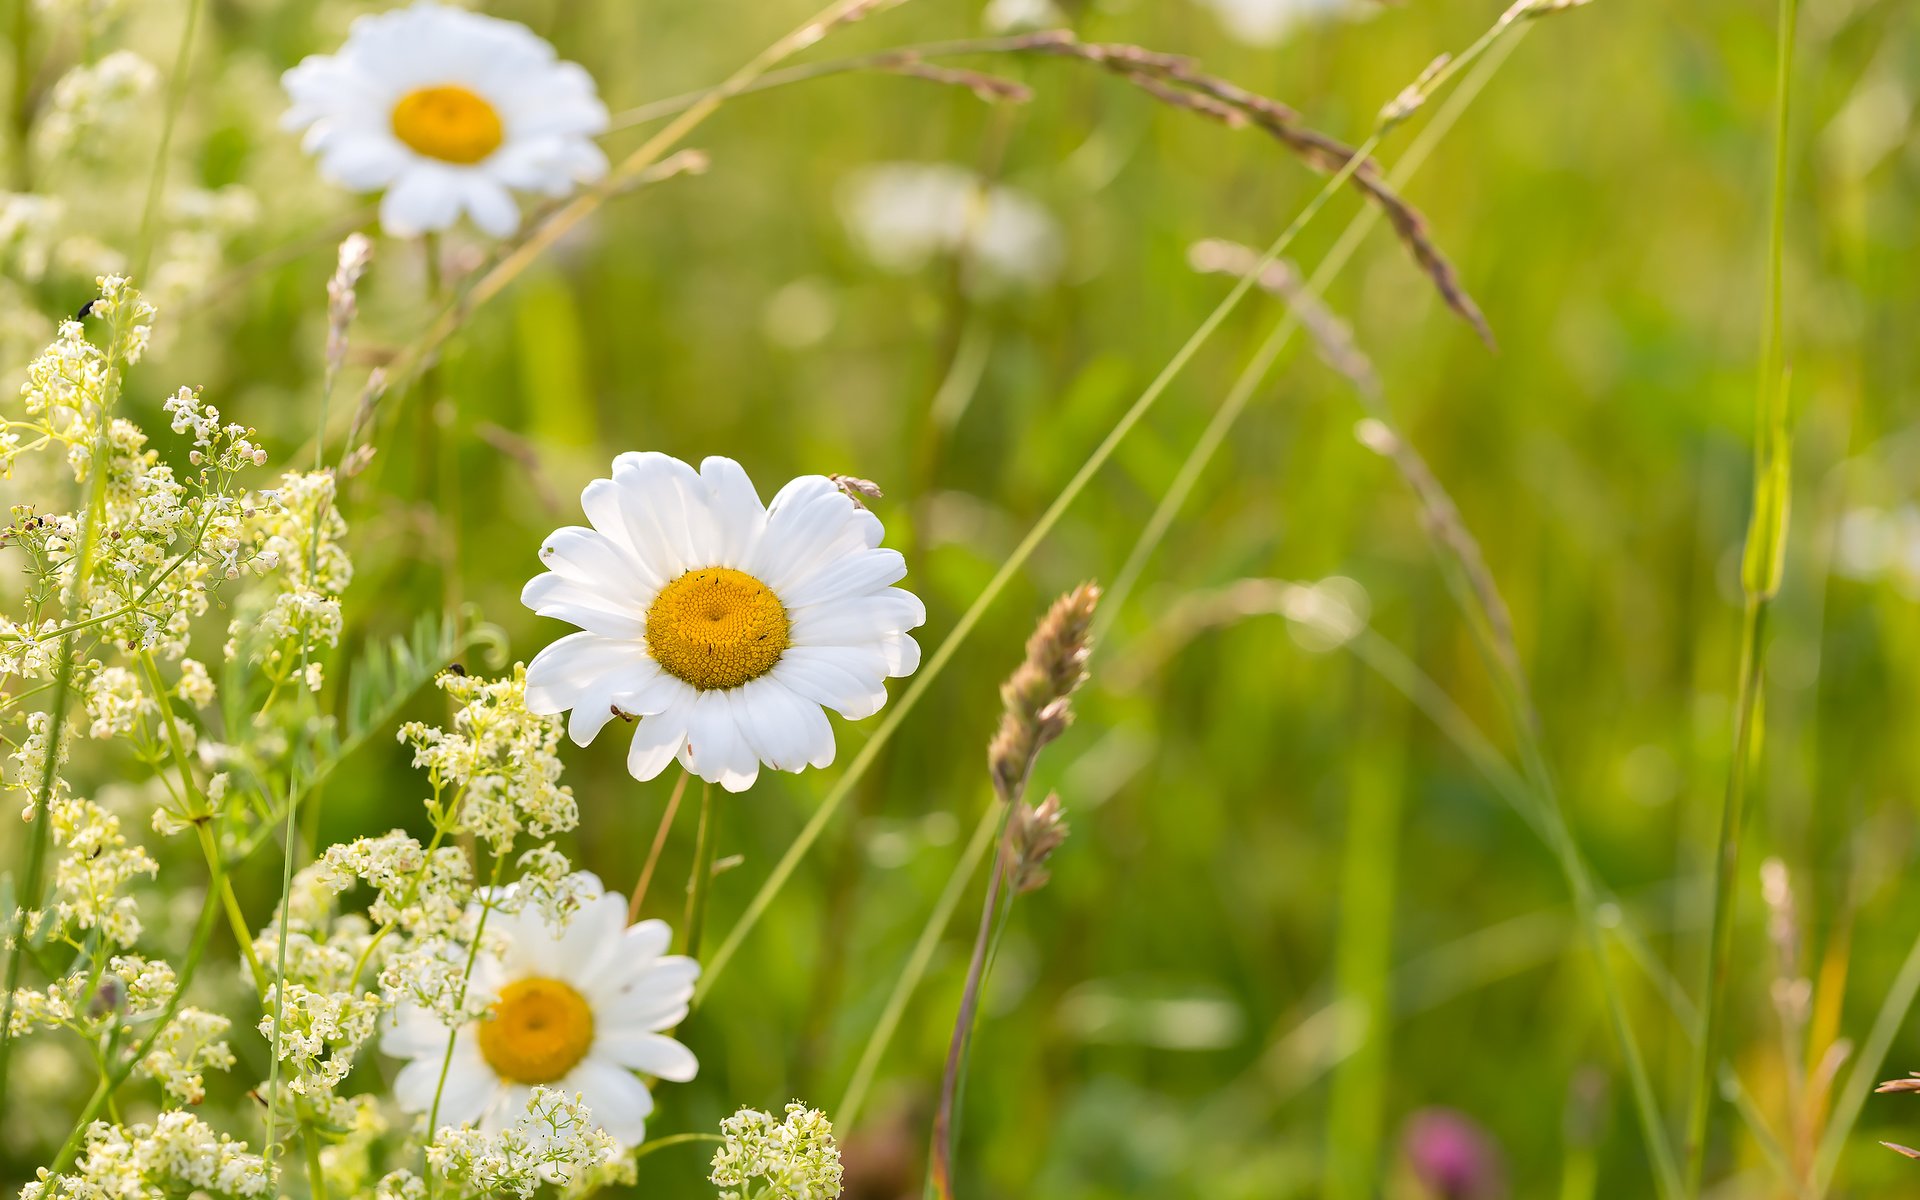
x: 794, y: 1159
x: 500, y: 761
x: 554, y: 1141
x: 177, y: 1155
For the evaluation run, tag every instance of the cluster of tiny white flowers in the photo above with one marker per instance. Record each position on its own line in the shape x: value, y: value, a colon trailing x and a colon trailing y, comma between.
x: 117, y: 703
x: 92, y: 101
x: 418, y: 893
x: 185, y: 1049
x: 96, y: 866
x: 298, y: 527
x: 554, y: 1141
x: 500, y: 760
x: 29, y: 228
x: 320, y: 1033
x: 794, y: 1159
x: 176, y: 1155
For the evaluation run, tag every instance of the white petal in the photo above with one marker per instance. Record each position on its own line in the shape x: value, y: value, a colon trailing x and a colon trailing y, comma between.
x: 638, y: 946
x: 854, y: 620
x: 738, y: 517
x: 786, y: 731
x: 811, y: 524
x: 651, y: 1053
x: 848, y: 681
x: 598, y: 560
x: 665, y: 503
x: 425, y: 199
x: 491, y: 208
x: 716, y: 750
x: 856, y: 574
x: 552, y: 595
x: 656, y: 740
x: 620, y: 1103
x: 366, y: 162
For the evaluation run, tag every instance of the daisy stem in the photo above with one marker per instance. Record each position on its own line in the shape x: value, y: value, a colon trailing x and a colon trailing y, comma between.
x: 439, y: 455
x: 701, y: 880
x: 653, y: 854
x: 157, y: 180
x: 950, y: 645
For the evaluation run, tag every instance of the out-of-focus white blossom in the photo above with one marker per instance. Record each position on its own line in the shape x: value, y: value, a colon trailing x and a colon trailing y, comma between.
x: 1007, y: 16
x: 1270, y: 22
x: 904, y: 215
x: 447, y: 112
x: 92, y: 102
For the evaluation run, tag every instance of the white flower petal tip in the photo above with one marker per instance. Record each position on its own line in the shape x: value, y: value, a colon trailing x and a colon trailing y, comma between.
x: 582, y: 1004
x: 723, y: 627
x: 448, y: 113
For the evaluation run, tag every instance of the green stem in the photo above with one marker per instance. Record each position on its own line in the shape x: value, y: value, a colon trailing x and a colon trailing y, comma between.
x: 945, y: 1118
x: 674, y: 1139
x: 1760, y: 576
x: 20, y: 119
x: 157, y: 179
x: 916, y: 967
x: 230, y: 904
x: 700, y: 881
x: 196, y: 950
x: 40, y: 840
x: 1726, y: 877
x: 466, y: 975
x: 316, y: 1174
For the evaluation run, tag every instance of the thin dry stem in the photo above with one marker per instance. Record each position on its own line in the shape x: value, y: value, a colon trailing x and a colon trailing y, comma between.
x: 1178, y: 81
x: 1332, y: 337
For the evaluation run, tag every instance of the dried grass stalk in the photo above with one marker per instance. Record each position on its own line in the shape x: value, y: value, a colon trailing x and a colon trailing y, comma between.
x: 1178, y: 81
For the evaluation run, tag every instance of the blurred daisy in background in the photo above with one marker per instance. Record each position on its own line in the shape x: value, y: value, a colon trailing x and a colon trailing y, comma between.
x: 1007, y: 16
x: 446, y: 111
x: 726, y: 627
x: 579, y: 1006
x: 903, y: 215
x: 1270, y: 22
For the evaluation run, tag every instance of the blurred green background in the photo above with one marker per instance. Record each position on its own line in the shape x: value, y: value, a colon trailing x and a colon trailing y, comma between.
x: 1290, y: 915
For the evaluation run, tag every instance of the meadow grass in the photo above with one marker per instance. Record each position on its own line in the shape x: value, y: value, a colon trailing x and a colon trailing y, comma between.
x: 1288, y: 942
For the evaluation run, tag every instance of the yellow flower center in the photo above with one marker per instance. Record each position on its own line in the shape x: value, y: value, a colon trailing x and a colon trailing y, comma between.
x: 539, y: 1029
x: 717, y: 628
x: 447, y: 122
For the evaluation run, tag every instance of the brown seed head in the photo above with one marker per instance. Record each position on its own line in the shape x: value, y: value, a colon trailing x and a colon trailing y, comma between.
x: 1037, y: 832
x: 1037, y: 694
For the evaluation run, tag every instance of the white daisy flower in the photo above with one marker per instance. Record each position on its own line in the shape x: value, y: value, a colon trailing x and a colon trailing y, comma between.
x: 578, y: 1007
x: 725, y: 626
x: 446, y: 110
